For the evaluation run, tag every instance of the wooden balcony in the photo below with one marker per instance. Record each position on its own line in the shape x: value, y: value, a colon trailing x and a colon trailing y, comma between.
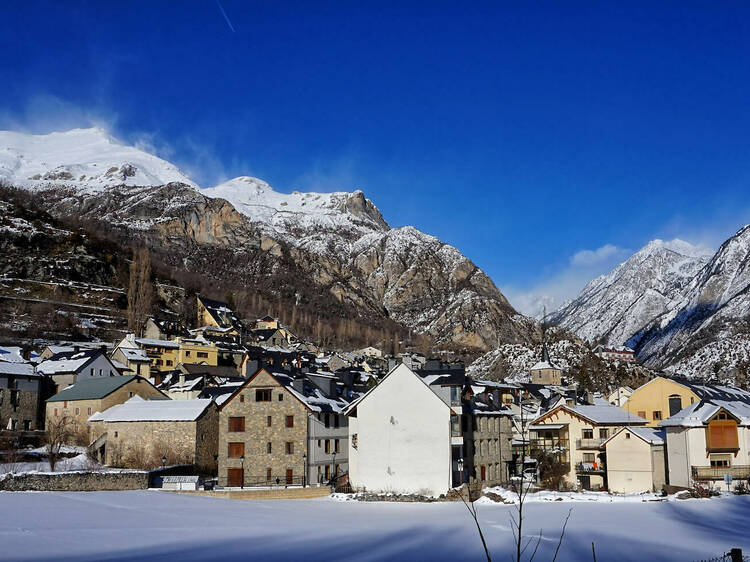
x: 590, y: 468
x: 738, y: 472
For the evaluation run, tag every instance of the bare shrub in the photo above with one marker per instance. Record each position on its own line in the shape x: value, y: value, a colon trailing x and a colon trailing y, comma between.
x: 59, y: 432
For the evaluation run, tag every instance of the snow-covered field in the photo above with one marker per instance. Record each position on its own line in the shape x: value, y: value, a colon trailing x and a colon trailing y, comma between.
x: 162, y: 525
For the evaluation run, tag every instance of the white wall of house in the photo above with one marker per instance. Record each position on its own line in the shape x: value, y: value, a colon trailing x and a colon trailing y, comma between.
x: 686, y: 448
x: 633, y: 464
x: 403, y: 438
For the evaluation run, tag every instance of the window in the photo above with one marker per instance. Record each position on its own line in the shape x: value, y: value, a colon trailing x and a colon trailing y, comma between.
x: 115, y: 434
x: 269, y: 421
x: 242, y: 397
x: 721, y: 461
x: 335, y: 420
x: 289, y: 448
x: 268, y: 447
x: 92, y: 372
x: 202, y: 354
x: 588, y: 433
x: 657, y: 414
x: 328, y: 472
x: 327, y: 419
x: 26, y: 425
x: 627, y: 435
x: 169, y: 363
x: 455, y: 396
x: 269, y: 475
x: 236, y: 450
x: 131, y: 394
x: 354, y: 440
x: 65, y: 404
x: 603, y: 433
x: 237, y: 424
x: 328, y: 446
x: 263, y: 395
x: 187, y: 353
x: 78, y: 411
x: 318, y: 443
x: 336, y: 447
x: 281, y: 397
x: 55, y: 411
x: 290, y: 421
x: 589, y: 457
x: 89, y: 411
x: 642, y: 414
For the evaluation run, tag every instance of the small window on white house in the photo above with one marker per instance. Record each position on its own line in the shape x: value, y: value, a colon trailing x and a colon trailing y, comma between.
x: 627, y: 436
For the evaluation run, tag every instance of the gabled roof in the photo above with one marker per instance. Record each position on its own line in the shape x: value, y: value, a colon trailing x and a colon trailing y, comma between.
x: 138, y: 409
x: 351, y: 409
x: 269, y: 373
x: 69, y: 361
x: 650, y: 435
x: 95, y: 388
x: 153, y: 342
x: 597, y: 415
x: 221, y: 312
x: 700, y: 413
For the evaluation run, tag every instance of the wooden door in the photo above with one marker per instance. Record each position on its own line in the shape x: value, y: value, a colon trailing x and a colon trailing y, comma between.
x: 289, y: 476
x: 484, y: 472
x: 235, y: 477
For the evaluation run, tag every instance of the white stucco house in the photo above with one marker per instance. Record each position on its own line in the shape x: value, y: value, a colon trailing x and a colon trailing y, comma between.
x: 400, y: 437
x: 635, y: 460
x: 707, y: 440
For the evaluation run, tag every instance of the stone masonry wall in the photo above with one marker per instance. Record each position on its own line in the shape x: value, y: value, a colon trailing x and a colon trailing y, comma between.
x: 258, y: 433
x: 75, y: 481
x: 27, y: 409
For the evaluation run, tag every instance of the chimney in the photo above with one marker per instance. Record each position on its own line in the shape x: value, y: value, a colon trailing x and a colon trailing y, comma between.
x: 299, y: 385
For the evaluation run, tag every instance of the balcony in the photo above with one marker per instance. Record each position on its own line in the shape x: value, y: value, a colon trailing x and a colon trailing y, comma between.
x: 548, y: 445
x: 593, y: 443
x: 591, y: 468
x: 738, y: 472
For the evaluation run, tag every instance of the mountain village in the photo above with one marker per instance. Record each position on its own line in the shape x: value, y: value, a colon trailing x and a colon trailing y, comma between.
x: 235, y: 404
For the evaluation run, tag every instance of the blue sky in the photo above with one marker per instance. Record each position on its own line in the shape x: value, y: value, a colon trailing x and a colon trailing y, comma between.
x: 546, y: 140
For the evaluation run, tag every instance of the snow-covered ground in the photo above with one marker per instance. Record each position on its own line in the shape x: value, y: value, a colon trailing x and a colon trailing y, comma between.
x: 79, y: 462
x: 152, y: 524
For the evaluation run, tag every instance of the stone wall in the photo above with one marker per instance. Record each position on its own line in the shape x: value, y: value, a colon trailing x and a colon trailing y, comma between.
x: 490, y: 449
x: 75, y: 481
x: 258, y: 433
x: 25, y: 414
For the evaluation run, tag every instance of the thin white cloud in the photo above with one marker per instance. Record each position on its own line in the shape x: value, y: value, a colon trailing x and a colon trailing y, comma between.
x: 554, y: 290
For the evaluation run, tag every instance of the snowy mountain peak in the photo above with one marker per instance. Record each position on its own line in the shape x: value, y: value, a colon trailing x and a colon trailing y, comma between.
x: 677, y: 246
x: 81, y: 159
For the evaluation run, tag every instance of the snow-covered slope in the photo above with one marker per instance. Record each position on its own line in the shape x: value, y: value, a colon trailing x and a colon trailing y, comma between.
x: 87, y: 159
x: 707, y: 328
x: 338, y: 242
x: 616, y: 306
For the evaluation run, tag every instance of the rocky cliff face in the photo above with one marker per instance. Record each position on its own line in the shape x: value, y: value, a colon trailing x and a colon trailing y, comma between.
x: 335, y: 245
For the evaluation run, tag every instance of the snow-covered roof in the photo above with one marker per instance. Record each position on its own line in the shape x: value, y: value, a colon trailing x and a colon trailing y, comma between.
x: 16, y: 369
x: 153, y: 342
x: 604, y: 414
x: 154, y: 410
x: 699, y: 413
x: 651, y: 435
x: 543, y: 365
x: 71, y: 365
x: 14, y: 354
x: 135, y: 355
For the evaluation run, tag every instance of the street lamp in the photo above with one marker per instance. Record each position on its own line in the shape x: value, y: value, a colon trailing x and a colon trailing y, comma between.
x: 242, y: 483
x: 163, y: 462
x: 304, y: 470
x: 461, y: 472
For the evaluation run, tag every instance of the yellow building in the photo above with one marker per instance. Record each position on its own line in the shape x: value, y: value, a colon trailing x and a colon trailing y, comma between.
x: 165, y: 355
x: 660, y: 398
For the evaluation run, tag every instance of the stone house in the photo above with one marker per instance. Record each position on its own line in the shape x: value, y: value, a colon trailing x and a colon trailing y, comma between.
x: 286, y: 426
x: 262, y: 433
x: 162, y: 329
x: 635, y: 460
x: 80, y: 401
x: 151, y: 432
x: 488, y: 433
x: 545, y: 372
x: 217, y: 313
x: 69, y: 367
x: 133, y: 357
x: 20, y: 397
x: 707, y: 440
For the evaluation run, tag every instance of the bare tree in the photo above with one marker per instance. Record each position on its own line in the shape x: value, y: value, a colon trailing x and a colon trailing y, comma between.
x: 140, y: 291
x: 59, y: 431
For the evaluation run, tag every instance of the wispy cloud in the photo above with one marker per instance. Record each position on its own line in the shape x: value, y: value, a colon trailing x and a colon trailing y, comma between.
x: 554, y: 290
x: 45, y: 113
